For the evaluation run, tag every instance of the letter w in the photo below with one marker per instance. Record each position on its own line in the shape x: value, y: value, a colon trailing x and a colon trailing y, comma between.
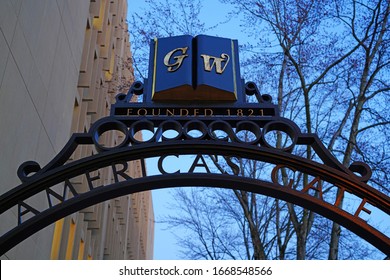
x: 217, y: 61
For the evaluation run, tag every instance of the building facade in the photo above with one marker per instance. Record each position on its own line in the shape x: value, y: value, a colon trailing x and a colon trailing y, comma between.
x: 61, y: 64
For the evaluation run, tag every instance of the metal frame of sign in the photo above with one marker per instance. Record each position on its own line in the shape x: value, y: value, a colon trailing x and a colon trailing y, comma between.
x: 194, y: 85
x: 61, y: 170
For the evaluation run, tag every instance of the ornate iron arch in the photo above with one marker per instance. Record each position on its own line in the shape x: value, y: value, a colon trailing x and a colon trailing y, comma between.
x: 250, y: 118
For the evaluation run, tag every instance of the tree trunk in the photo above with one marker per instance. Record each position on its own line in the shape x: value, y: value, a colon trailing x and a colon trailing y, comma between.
x: 258, y: 248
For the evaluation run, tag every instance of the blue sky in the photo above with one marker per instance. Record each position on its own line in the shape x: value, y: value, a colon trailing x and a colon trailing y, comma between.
x: 213, y: 12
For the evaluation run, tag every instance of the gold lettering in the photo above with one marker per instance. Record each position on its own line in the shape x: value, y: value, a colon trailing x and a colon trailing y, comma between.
x: 208, y: 112
x: 145, y: 112
x: 184, y: 112
x: 156, y: 114
x: 170, y: 113
x: 196, y: 112
x: 217, y: 61
x: 172, y: 67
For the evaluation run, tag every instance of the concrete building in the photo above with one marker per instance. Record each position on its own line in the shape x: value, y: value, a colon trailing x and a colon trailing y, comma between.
x: 61, y: 64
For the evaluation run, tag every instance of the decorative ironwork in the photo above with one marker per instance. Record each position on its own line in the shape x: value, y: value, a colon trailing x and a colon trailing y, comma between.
x: 68, y: 199
x: 182, y: 99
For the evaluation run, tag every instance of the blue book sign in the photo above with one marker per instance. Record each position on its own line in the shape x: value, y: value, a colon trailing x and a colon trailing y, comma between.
x: 194, y: 68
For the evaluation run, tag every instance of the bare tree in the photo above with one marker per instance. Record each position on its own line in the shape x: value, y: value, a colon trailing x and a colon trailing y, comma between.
x: 231, y: 224
x: 297, y: 26
x: 368, y: 24
x: 318, y: 41
x: 161, y: 18
x: 327, y: 61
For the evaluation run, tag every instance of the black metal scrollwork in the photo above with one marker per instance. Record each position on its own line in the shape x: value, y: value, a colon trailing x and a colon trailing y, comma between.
x: 217, y: 132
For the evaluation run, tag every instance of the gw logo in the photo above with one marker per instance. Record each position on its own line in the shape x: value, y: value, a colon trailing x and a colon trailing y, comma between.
x: 179, y: 54
x: 190, y: 68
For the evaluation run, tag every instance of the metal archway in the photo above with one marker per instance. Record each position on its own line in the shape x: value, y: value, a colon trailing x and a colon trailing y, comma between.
x: 194, y: 85
x: 69, y: 200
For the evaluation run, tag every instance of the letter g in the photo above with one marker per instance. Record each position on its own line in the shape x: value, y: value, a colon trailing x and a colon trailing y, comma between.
x: 172, y: 67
